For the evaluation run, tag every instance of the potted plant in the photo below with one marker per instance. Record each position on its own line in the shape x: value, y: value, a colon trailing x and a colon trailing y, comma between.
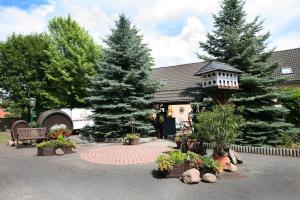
x: 173, y: 164
x: 219, y: 126
x: 64, y: 144
x: 210, y: 165
x: 132, y: 138
x: 54, y: 133
x: 192, y: 142
x: 178, y: 141
x: 46, y: 148
x: 165, y: 165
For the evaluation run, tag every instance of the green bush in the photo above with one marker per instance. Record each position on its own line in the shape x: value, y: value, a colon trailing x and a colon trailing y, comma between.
x: 210, y: 163
x: 61, y: 142
x: 291, y: 100
x: 165, y: 163
x: 219, y: 126
x: 177, y: 156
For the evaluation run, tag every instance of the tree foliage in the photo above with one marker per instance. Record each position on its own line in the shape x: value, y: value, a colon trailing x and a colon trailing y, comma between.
x: 243, y: 45
x: 291, y: 100
x: 123, y: 90
x: 219, y: 125
x: 73, y: 57
x: 22, y: 75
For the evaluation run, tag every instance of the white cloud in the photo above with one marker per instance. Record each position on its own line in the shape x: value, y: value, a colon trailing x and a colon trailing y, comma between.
x: 287, y: 41
x: 173, y: 50
x: 150, y: 15
x: 16, y: 20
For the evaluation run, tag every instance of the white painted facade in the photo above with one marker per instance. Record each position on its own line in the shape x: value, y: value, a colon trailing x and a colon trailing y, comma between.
x: 81, y: 117
x: 221, y: 79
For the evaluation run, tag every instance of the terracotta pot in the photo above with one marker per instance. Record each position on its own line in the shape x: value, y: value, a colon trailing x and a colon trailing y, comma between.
x: 46, y: 151
x: 67, y: 150
x: 224, y: 161
x: 133, y: 141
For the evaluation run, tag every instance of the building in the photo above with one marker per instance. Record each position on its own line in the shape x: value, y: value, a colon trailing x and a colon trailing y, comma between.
x: 182, y: 87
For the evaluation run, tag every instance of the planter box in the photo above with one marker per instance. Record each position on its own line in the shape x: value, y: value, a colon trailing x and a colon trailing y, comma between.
x: 133, y: 141
x: 67, y: 150
x: 178, y: 169
x: 46, y: 151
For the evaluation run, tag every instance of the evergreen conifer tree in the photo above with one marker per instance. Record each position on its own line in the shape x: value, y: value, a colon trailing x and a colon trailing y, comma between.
x: 122, y: 90
x: 243, y: 45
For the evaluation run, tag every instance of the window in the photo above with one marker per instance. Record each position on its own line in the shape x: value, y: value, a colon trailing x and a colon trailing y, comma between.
x: 208, y: 75
x: 214, y: 81
x: 213, y: 74
x: 204, y: 76
x: 230, y: 75
x: 164, y: 82
x: 223, y: 74
x: 209, y: 82
x: 286, y: 70
x: 227, y: 74
x: 204, y: 83
x: 220, y: 81
x: 219, y: 74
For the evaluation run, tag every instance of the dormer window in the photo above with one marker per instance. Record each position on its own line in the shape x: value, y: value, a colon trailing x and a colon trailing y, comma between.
x: 164, y: 82
x: 286, y: 70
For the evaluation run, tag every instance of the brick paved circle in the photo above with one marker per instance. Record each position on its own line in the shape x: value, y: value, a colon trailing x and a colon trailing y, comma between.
x: 123, y: 154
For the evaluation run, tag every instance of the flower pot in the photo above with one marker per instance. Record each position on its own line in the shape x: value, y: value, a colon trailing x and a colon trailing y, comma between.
x: 224, y: 161
x: 45, y: 151
x: 133, y: 141
x: 178, y: 143
x: 192, y: 145
x: 178, y: 169
x: 67, y: 150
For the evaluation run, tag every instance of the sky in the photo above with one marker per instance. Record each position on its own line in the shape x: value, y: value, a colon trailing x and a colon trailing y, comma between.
x: 172, y: 28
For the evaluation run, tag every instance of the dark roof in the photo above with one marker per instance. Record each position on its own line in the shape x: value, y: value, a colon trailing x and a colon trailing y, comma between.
x: 214, y: 66
x: 180, y: 80
x: 287, y: 58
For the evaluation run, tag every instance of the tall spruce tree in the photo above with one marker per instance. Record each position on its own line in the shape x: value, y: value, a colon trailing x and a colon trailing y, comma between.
x: 122, y: 91
x: 243, y: 45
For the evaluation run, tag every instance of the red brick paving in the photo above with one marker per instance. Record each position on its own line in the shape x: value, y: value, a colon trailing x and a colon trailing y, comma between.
x: 123, y: 154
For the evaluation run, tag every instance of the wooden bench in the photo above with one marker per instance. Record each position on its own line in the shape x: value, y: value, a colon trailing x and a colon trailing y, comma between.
x: 31, y: 134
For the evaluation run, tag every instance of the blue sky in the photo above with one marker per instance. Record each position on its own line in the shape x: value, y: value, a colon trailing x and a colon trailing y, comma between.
x: 172, y: 28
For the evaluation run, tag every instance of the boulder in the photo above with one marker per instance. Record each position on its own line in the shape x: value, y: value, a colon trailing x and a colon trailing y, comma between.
x: 232, y: 156
x: 238, y: 157
x: 59, y: 152
x: 231, y: 168
x: 209, y: 178
x: 11, y: 143
x: 191, y: 176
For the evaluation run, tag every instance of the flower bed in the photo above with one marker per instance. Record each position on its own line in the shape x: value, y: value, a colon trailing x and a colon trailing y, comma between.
x: 173, y: 164
x: 48, y: 148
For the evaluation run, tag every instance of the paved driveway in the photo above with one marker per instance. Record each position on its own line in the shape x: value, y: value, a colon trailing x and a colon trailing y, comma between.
x: 26, y: 176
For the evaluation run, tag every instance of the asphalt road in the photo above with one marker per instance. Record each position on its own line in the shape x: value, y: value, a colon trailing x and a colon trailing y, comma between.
x: 26, y: 176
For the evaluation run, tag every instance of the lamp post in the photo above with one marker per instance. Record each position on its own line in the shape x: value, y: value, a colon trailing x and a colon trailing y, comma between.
x: 32, y: 102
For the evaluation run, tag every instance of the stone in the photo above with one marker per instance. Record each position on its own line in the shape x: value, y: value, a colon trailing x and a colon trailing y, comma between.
x: 232, y: 157
x: 59, y: 152
x: 238, y: 157
x: 191, y: 176
x: 11, y: 143
x: 209, y: 178
x: 231, y: 168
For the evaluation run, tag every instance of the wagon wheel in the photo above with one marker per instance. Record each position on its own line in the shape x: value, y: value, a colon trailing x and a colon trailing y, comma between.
x: 17, y: 124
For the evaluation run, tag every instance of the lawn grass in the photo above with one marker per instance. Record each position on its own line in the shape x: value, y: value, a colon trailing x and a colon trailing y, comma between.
x: 4, y: 138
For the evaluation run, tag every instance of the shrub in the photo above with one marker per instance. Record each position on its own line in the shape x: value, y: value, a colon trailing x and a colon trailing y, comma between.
x: 177, y: 156
x: 61, y: 142
x: 219, y: 126
x: 211, y: 164
x: 165, y: 163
